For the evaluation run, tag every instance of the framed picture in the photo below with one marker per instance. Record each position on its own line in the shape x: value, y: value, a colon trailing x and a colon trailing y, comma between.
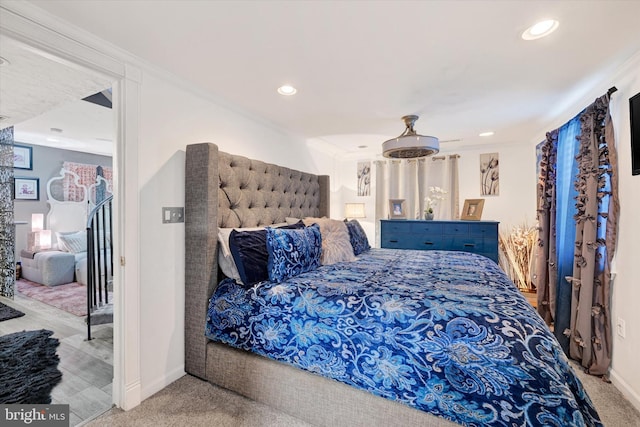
x: 22, y: 157
x: 490, y: 174
x: 26, y: 188
x: 364, y: 178
x: 472, y: 209
x: 396, y: 209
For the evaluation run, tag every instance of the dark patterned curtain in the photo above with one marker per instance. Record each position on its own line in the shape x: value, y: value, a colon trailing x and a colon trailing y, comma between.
x: 596, y: 235
x: 575, y: 295
x: 546, y: 272
x: 7, y: 227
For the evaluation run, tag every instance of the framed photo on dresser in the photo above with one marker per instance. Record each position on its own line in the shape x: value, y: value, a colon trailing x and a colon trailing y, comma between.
x: 472, y: 209
x: 397, y: 209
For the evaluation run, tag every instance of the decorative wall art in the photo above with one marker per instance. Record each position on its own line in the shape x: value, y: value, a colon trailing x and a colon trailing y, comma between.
x: 26, y: 188
x: 22, y: 157
x: 489, y: 174
x: 364, y: 178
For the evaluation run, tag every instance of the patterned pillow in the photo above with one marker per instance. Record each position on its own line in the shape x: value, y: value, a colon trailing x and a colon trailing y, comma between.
x: 357, y: 236
x: 336, y: 246
x: 249, y: 251
x: 225, y: 259
x: 293, y: 252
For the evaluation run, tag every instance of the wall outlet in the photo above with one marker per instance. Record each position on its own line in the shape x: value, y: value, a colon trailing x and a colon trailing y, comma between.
x: 172, y: 215
x: 621, y: 327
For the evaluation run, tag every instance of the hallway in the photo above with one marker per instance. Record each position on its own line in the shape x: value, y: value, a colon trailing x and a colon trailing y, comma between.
x: 86, y: 366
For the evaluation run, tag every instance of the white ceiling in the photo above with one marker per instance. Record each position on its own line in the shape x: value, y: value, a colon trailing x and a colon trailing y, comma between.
x: 39, y: 92
x: 361, y: 65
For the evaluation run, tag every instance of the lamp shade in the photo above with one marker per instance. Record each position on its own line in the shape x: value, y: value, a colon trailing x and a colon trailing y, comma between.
x: 39, y: 240
x: 37, y: 222
x: 354, y: 210
x: 410, y: 145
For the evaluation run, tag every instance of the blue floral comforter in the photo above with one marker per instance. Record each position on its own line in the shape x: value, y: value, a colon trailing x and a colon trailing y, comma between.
x: 444, y: 332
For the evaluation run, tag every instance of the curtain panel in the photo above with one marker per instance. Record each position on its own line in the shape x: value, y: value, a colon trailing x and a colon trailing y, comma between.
x: 411, y: 179
x: 583, y: 232
x: 597, y: 207
x: 546, y: 268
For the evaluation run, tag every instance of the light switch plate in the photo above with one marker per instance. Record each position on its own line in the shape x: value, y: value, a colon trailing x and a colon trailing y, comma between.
x: 172, y: 215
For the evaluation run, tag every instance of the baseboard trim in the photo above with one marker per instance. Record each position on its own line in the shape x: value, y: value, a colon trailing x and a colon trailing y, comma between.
x: 625, y: 389
x: 157, y: 385
x: 131, y: 396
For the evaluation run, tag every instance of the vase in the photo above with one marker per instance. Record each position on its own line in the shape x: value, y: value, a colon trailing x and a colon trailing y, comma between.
x: 428, y: 215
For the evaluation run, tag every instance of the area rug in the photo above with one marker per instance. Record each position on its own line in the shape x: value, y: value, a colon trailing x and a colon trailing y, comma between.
x: 71, y: 297
x: 7, y: 312
x: 28, y: 367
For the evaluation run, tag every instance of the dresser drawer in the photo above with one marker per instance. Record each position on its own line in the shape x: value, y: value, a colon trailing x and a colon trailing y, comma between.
x: 396, y: 240
x: 426, y: 227
x: 394, y: 227
x: 482, y: 230
x: 424, y: 242
x: 456, y: 229
x: 465, y: 243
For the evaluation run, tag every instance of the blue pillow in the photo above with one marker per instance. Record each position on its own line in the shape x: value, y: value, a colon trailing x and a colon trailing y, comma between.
x: 293, y: 252
x: 358, y: 237
x: 249, y: 251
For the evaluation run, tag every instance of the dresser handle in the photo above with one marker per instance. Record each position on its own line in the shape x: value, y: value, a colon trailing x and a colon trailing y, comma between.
x: 393, y: 241
x: 469, y: 245
x: 428, y: 243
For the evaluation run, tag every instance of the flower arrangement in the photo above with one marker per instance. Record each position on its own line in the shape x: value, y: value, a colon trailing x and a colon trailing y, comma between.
x: 436, y: 195
x: 517, y: 257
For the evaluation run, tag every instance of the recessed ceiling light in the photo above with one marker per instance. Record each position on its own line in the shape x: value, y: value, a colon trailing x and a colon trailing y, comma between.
x: 362, y: 146
x: 4, y: 61
x: 53, y: 139
x: 541, y: 29
x: 486, y: 133
x: 287, y: 90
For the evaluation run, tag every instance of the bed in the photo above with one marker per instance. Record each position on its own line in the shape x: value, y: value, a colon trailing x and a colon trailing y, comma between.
x: 477, y: 353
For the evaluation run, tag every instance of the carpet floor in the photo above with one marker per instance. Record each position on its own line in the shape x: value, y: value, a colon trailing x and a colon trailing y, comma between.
x: 28, y: 367
x: 7, y: 312
x: 71, y: 297
x: 192, y: 402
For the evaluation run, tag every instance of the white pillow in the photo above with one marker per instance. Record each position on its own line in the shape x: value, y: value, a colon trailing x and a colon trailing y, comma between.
x: 74, y: 242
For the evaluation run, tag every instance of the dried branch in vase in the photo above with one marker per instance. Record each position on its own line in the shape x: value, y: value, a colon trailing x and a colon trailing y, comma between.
x: 517, y: 255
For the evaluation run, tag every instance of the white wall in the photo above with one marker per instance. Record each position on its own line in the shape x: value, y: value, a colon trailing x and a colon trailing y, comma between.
x: 626, y: 287
x: 516, y: 203
x: 171, y: 118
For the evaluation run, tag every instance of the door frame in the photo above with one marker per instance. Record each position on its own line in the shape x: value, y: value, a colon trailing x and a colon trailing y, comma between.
x: 46, y: 35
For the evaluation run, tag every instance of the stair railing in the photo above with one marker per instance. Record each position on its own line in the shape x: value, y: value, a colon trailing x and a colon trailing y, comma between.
x: 99, y: 257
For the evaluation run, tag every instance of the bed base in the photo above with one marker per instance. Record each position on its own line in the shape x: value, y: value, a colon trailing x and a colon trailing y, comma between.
x: 311, y: 398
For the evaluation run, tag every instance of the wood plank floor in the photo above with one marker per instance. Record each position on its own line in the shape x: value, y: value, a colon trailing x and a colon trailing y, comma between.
x: 86, y: 366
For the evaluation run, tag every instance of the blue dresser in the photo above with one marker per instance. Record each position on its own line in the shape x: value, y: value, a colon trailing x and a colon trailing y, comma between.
x: 479, y: 237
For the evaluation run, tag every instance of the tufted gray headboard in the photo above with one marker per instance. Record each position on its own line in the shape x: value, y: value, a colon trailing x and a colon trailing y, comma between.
x: 223, y: 190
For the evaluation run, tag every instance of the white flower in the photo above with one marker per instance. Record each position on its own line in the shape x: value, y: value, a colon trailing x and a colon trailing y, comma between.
x: 437, y: 194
